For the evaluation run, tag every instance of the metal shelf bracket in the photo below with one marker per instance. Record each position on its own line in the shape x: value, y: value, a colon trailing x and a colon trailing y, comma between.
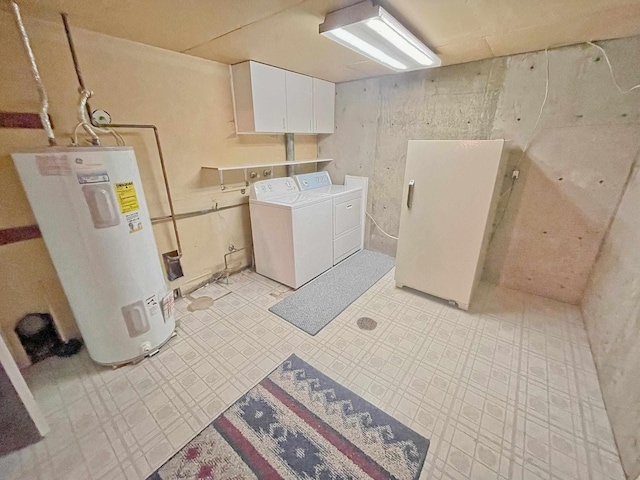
x: 221, y: 174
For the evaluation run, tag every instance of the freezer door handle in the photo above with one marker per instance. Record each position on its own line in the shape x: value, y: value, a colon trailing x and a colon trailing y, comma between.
x: 410, y: 193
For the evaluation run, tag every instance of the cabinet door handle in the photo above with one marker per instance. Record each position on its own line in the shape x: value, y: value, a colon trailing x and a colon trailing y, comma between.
x: 410, y: 193
x: 350, y: 205
x: 284, y: 127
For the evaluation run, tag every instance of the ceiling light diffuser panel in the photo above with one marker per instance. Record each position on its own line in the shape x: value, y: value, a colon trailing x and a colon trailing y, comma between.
x: 371, y: 31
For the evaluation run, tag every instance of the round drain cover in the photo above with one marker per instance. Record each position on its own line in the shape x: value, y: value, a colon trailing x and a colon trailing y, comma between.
x: 366, y: 323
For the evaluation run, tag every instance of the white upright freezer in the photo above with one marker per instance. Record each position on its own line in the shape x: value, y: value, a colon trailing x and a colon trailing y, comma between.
x: 451, y: 191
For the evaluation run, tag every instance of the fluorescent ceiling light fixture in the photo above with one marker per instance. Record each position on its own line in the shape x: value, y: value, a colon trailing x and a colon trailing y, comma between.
x: 371, y: 31
x: 398, y: 41
x: 355, y: 43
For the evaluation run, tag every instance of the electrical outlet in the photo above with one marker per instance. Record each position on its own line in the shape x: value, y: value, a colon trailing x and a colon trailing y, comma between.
x: 515, y: 174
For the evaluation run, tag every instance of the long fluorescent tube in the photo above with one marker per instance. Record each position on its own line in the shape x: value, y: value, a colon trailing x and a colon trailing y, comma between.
x: 371, y: 31
x: 381, y: 27
x: 367, y: 48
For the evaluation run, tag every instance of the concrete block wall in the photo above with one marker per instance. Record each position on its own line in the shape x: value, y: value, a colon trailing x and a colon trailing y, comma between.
x: 577, y: 182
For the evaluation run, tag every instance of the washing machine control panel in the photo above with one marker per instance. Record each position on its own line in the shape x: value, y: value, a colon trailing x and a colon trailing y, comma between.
x: 308, y: 181
x: 273, y: 187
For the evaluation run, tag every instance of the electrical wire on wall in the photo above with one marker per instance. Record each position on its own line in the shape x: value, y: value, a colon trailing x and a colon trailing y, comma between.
x: 516, y: 171
x: 119, y: 139
x: 379, y: 227
x: 88, y: 126
x: 613, y: 77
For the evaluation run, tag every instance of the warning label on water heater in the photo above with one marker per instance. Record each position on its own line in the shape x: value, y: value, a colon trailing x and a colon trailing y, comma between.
x: 53, y: 165
x: 127, y: 198
x: 152, y: 305
x: 134, y: 222
x: 168, y: 304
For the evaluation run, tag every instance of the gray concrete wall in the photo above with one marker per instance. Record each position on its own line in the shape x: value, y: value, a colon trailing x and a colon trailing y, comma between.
x: 571, y: 177
x: 611, y: 309
x: 573, y: 181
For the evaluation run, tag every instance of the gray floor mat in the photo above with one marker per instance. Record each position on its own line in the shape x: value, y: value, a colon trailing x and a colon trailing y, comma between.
x: 318, y: 302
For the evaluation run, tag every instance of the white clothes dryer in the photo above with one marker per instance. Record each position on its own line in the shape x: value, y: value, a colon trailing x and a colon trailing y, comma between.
x: 347, y: 208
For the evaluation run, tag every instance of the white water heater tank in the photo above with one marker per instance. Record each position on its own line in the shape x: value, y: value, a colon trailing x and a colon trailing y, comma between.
x: 93, y: 216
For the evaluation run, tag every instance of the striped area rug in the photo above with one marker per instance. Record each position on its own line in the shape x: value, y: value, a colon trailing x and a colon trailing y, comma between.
x: 297, y: 423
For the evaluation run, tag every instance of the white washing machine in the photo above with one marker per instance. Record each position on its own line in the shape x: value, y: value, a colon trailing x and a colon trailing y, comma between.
x: 347, y: 205
x: 292, y: 231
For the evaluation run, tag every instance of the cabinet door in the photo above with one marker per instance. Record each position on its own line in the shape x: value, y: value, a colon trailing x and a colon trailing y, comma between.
x: 299, y: 103
x: 323, y: 106
x: 269, y: 98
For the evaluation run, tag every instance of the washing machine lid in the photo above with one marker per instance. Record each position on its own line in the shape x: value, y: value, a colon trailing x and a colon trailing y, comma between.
x: 273, y: 187
x: 293, y: 200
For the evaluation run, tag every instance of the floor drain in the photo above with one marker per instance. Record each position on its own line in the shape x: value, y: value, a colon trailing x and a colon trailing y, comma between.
x: 200, y: 303
x: 366, y: 323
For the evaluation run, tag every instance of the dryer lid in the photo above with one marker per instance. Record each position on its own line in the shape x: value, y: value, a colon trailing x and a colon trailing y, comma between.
x: 293, y: 200
x: 334, y: 189
x: 309, y: 181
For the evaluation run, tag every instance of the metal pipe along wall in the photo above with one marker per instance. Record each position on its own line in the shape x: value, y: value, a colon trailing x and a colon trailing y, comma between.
x: 44, y: 100
x: 76, y: 65
x: 290, y: 154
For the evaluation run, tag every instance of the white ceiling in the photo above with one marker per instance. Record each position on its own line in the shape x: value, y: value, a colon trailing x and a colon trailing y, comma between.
x: 285, y: 32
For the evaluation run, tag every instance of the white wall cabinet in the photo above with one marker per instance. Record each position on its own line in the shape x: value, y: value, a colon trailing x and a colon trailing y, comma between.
x: 259, y: 98
x: 323, y: 106
x: 267, y: 99
x: 299, y: 102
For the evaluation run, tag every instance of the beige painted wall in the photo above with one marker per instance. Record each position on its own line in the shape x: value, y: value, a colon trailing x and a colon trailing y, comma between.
x: 611, y: 310
x: 189, y: 99
x: 571, y: 177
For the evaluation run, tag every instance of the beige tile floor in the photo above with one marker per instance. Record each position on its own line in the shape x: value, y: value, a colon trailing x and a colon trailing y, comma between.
x: 507, y: 392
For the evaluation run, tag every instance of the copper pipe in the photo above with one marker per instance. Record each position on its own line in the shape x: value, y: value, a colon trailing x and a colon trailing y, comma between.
x: 72, y: 48
x: 164, y: 173
x: 197, y: 213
